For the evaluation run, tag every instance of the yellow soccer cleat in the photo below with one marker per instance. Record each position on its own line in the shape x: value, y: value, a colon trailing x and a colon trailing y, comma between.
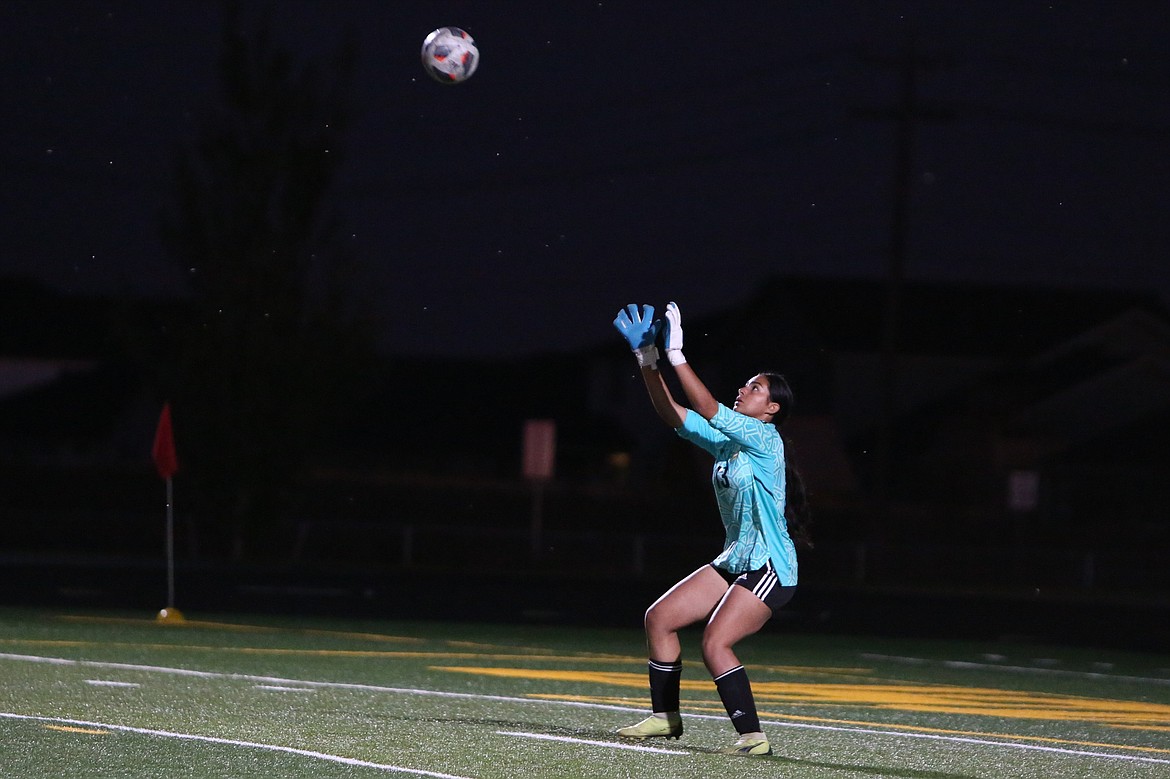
x: 749, y: 746
x: 669, y: 726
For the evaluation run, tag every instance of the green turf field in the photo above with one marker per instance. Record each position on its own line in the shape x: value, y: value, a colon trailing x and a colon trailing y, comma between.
x: 119, y: 695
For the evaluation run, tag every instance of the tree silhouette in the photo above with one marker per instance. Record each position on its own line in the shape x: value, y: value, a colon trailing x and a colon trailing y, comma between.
x: 271, y: 347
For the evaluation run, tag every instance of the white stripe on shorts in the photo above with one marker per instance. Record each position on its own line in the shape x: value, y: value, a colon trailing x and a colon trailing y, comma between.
x: 766, y: 583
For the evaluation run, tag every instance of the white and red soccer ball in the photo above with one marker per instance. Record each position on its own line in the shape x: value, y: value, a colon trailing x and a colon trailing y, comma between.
x: 449, y: 55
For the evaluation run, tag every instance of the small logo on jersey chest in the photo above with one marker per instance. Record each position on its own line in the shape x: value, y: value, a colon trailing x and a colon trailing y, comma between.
x: 721, y: 475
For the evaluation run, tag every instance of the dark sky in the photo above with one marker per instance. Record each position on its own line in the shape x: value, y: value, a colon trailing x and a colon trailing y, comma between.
x: 609, y: 152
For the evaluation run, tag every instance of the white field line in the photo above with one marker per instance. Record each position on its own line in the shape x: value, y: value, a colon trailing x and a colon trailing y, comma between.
x: 234, y: 743
x: 973, y: 740
x: 108, y: 683
x: 580, y: 704
x: 591, y: 742
x: 1021, y: 669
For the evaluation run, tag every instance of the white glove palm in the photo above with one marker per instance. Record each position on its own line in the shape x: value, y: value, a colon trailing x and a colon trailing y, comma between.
x: 674, y: 334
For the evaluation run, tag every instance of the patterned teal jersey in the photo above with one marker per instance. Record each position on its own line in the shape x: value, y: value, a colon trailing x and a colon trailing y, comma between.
x: 748, y: 477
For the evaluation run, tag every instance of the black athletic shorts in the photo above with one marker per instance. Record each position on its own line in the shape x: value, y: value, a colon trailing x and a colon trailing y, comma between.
x: 763, y: 583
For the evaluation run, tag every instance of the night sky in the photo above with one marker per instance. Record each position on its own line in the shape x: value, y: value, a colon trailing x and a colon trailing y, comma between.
x: 610, y: 152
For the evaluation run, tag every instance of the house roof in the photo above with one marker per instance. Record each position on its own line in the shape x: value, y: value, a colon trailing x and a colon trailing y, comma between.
x: 1001, y: 320
x: 1108, y: 382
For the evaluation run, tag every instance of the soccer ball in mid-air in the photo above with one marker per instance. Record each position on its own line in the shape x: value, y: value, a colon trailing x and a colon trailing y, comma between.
x: 449, y: 55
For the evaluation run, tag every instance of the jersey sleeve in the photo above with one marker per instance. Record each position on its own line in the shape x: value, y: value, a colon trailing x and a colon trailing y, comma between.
x: 700, y: 433
x: 748, y: 432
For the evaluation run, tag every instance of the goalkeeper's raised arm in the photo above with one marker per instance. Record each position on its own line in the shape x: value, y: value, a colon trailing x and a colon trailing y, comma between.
x: 640, y: 331
x: 700, y: 398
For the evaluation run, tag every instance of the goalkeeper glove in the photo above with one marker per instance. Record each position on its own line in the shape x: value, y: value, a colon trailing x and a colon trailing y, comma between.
x: 640, y: 332
x: 673, y: 335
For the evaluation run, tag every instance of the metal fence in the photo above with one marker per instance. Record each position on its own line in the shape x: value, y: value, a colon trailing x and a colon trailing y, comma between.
x: 408, y: 546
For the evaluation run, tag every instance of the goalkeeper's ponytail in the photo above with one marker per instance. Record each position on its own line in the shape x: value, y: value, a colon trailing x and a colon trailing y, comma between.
x: 797, y: 512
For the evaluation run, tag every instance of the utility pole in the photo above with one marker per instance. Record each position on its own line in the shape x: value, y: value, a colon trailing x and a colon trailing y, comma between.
x: 907, y: 113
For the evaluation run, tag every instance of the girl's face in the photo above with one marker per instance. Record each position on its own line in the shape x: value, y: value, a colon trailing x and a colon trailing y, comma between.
x: 754, y: 399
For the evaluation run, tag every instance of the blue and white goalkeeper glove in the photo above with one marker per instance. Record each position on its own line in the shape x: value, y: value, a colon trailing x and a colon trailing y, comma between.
x: 673, y: 335
x: 640, y: 331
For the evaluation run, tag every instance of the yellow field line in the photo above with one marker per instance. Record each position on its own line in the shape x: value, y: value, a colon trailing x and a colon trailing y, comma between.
x: 934, y: 699
x: 787, y: 717
x: 71, y: 729
x: 877, y: 694
x: 437, y: 654
x: 194, y: 623
x: 246, y: 628
x: 782, y: 719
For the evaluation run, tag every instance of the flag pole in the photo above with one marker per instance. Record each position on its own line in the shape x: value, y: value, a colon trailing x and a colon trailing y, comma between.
x: 167, y: 463
x: 170, y: 545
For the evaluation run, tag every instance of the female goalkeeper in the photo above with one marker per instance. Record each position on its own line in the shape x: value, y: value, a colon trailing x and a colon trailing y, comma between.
x: 755, y: 573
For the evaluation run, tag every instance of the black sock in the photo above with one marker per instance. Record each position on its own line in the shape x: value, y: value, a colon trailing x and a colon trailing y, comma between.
x: 736, y: 693
x: 664, y: 681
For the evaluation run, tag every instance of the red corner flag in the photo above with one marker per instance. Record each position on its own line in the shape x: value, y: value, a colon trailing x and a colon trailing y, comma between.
x: 163, y: 452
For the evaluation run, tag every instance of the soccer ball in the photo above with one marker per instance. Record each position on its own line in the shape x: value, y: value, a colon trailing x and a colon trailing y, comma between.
x: 449, y: 55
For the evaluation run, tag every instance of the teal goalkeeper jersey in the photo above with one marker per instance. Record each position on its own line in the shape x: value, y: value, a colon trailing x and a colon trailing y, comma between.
x: 748, y: 477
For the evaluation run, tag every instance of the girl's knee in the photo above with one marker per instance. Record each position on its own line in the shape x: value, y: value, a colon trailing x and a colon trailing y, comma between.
x: 656, y: 621
x: 713, y: 646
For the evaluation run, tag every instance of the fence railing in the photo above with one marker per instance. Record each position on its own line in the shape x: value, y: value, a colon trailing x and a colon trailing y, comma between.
x: 603, y: 554
x: 597, y: 552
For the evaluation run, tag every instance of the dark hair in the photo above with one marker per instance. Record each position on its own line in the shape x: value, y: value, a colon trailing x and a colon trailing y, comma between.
x: 797, y: 512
